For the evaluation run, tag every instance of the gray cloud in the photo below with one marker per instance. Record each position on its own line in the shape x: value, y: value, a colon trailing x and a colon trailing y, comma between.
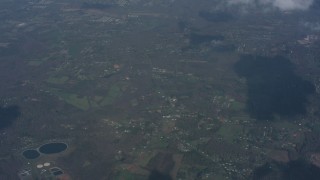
x: 285, y: 5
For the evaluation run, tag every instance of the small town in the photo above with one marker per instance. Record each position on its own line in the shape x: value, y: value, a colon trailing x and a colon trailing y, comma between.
x: 150, y: 89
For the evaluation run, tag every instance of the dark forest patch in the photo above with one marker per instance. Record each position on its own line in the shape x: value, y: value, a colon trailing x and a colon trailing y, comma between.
x: 156, y: 175
x: 161, y: 165
x: 8, y: 115
x: 273, y: 87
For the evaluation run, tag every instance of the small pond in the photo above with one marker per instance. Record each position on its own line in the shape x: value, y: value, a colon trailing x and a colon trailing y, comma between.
x: 31, y: 154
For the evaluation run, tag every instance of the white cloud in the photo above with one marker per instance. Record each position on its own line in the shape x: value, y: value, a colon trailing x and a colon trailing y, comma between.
x: 280, y: 4
x: 293, y: 4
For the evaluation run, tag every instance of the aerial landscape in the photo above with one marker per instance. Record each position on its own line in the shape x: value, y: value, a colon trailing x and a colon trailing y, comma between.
x: 159, y: 90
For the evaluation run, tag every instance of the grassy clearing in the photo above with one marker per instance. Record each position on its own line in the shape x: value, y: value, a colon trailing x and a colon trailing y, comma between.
x: 75, y: 100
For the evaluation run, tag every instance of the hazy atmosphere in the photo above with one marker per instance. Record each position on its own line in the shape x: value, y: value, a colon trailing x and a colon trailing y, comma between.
x: 160, y: 90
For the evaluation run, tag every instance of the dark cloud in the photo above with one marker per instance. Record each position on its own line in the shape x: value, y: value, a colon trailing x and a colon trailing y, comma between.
x: 8, y: 115
x: 273, y: 87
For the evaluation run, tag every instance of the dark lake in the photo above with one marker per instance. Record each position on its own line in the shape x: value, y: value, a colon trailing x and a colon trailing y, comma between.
x: 31, y: 154
x: 53, y: 148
